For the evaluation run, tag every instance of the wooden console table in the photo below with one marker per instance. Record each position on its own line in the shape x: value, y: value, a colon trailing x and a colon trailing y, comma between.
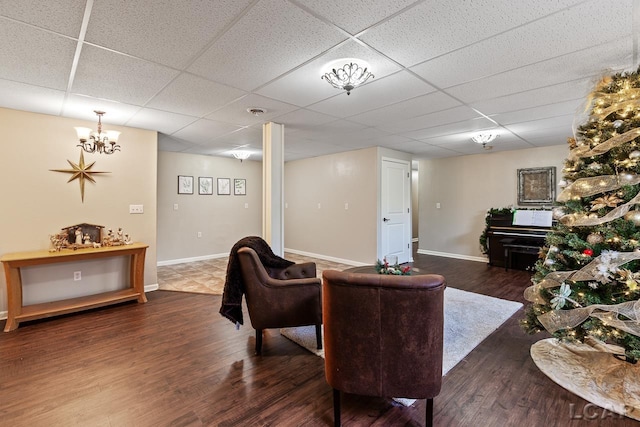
x: 16, y: 312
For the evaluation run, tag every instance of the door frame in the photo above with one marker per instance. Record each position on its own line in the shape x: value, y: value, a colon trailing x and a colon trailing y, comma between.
x: 381, y: 160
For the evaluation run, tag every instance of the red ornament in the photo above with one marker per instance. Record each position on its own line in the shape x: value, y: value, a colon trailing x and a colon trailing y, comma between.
x: 588, y: 252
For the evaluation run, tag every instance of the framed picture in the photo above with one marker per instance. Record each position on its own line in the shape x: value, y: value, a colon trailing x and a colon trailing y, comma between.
x: 224, y: 186
x: 205, y: 185
x: 185, y: 184
x: 537, y: 186
x: 239, y: 187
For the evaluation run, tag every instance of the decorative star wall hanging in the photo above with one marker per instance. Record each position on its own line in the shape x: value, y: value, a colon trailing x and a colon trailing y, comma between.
x: 80, y: 172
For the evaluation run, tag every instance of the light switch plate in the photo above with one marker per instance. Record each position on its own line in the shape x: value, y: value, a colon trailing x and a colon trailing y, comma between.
x: 136, y: 209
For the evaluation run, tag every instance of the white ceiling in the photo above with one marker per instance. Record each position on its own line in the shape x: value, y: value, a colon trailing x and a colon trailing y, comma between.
x: 444, y: 69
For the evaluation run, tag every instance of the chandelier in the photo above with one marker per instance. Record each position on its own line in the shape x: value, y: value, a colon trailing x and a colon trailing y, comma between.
x: 484, y: 138
x: 348, y: 77
x: 98, y: 142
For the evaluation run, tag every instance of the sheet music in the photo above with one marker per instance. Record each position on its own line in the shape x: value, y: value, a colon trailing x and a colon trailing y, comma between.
x: 532, y: 218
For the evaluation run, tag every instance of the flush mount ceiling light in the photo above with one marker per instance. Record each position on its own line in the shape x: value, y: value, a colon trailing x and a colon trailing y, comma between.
x: 484, y: 138
x: 348, y: 77
x: 241, y: 154
x: 98, y: 142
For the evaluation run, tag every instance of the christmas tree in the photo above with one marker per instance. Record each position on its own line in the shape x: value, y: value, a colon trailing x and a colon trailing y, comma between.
x: 586, y: 286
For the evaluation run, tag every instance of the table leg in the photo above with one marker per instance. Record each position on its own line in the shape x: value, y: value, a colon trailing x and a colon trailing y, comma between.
x: 137, y: 274
x: 14, y: 296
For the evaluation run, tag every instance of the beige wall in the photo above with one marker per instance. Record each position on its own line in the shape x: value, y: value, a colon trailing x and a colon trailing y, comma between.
x: 37, y: 202
x: 222, y: 220
x: 466, y: 187
x: 318, y: 189
x: 331, y: 182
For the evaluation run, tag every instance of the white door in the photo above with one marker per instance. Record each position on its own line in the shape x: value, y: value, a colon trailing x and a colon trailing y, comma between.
x: 396, y: 206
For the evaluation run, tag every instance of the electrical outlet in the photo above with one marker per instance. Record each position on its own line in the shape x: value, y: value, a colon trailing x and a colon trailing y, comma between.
x: 199, y: 233
x: 175, y: 206
x: 246, y: 205
x: 77, y: 275
x: 136, y: 209
x: 346, y: 206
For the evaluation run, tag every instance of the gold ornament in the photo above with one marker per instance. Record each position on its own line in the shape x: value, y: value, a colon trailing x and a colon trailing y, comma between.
x: 80, y: 172
x: 604, y: 201
x: 634, y: 217
x: 595, y: 238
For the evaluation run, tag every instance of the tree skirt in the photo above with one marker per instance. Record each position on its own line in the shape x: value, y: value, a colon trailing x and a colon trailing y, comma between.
x: 595, y: 376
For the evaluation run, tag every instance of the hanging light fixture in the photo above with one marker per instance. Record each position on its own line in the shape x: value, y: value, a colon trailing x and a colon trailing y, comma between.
x: 241, y: 154
x: 98, y: 142
x: 484, y: 138
x: 348, y: 77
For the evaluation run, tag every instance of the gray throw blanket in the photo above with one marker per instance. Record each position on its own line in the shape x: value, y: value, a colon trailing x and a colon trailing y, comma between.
x: 234, y: 286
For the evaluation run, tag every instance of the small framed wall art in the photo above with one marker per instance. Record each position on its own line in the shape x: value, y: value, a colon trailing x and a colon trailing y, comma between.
x: 205, y: 185
x: 239, y: 187
x: 185, y: 184
x: 536, y: 186
x: 224, y: 186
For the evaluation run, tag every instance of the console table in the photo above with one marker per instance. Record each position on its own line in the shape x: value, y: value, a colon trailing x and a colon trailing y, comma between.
x: 13, y: 262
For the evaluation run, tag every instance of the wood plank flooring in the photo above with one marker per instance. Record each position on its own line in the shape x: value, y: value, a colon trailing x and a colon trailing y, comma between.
x: 176, y: 362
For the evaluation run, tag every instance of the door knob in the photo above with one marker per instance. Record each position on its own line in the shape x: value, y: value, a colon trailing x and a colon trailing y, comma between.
x: 386, y: 219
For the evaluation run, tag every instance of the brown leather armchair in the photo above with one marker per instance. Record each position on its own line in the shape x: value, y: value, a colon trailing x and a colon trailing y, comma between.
x: 383, y: 335
x: 280, y: 298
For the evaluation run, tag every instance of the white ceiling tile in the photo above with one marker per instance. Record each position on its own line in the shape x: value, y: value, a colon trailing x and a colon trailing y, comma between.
x: 174, y: 30
x: 375, y: 94
x: 83, y: 107
x: 205, y: 131
x: 169, y: 143
x: 408, y: 109
x: 568, y: 91
x: 237, y: 113
x: 473, y: 125
x: 105, y: 74
x: 536, y: 113
x: 302, y: 119
x: 570, y: 30
x: 61, y: 16
x: 33, y: 56
x: 194, y: 96
x: 439, y: 118
x: 161, y: 121
x: 20, y: 96
x: 575, y: 66
x: 305, y: 85
x: 429, y: 29
x: 245, y: 138
x: 544, y: 127
x: 245, y: 57
x: 361, y: 13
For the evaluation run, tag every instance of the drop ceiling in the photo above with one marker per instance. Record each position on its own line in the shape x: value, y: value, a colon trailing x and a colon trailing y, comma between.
x: 444, y: 69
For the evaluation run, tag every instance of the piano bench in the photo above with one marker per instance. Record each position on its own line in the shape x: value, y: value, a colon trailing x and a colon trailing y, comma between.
x: 510, y: 249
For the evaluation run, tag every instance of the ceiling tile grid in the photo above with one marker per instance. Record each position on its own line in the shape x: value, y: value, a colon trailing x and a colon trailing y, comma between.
x: 444, y: 69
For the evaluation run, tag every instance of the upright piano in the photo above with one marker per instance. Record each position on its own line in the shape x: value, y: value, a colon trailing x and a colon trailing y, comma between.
x: 514, y: 246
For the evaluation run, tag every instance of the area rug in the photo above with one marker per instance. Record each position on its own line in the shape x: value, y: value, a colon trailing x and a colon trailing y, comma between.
x: 468, y: 319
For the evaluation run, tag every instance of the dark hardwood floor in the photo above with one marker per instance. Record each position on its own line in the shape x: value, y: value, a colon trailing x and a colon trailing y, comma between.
x: 176, y: 362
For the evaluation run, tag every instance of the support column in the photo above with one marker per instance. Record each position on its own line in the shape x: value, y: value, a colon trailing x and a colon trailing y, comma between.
x: 273, y: 186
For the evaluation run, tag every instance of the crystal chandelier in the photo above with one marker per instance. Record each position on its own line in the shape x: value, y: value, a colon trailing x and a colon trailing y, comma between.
x: 98, y: 142
x: 348, y: 77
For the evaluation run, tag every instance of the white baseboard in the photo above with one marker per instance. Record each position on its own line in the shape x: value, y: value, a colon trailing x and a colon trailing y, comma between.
x: 414, y: 240
x: 197, y: 258
x: 151, y: 288
x: 3, y: 315
x: 457, y: 256
x: 328, y: 258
